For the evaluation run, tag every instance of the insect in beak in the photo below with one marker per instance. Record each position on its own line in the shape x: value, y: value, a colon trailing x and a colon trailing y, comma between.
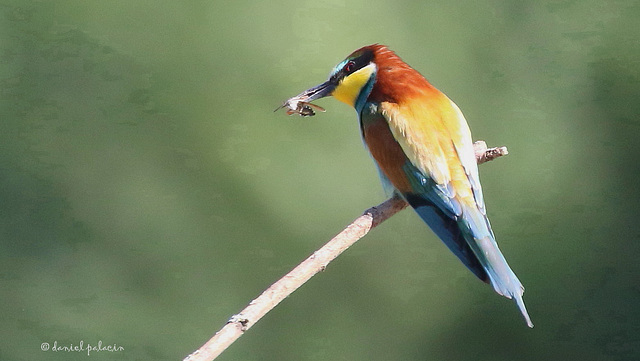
x: 301, y: 103
x: 302, y: 108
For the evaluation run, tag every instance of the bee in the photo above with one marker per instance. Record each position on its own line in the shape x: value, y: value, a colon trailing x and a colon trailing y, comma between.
x: 298, y: 105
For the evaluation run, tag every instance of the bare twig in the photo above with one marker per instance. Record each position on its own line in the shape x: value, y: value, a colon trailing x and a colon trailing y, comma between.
x: 484, y: 154
x: 318, y: 261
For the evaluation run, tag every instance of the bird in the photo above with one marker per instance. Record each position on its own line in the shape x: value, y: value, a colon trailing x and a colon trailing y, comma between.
x: 422, y: 146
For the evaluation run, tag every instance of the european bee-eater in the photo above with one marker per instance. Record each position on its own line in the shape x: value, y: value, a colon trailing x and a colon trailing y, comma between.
x: 422, y: 146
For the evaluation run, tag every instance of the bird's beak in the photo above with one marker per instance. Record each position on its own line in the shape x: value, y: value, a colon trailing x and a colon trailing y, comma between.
x: 319, y: 91
x: 301, y: 103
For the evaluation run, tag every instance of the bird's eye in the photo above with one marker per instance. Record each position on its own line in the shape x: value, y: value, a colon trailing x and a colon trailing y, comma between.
x: 348, y: 67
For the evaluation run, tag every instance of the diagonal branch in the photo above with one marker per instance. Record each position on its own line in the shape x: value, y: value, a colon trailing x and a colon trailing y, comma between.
x: 318, y: 261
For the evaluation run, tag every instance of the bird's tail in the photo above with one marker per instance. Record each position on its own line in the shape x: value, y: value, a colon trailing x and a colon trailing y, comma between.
x: 477, y: 231
x: 470, y: 238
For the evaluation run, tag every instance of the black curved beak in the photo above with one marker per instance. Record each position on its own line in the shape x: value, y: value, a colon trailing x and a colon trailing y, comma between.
x: 319, y: 91
x: 301, y: 103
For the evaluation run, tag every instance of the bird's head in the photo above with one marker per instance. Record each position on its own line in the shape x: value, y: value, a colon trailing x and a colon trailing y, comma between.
x: 350, y: 81
x: 372, y: 73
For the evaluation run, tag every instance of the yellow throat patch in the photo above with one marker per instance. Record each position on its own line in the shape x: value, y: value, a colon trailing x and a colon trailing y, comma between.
x: 349, y: 88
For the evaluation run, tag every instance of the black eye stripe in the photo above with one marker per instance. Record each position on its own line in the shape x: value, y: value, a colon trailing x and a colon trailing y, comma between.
x: 356, y: 62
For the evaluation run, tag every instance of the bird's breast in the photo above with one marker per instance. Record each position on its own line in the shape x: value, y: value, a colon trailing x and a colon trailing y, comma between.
x: 385, y: 150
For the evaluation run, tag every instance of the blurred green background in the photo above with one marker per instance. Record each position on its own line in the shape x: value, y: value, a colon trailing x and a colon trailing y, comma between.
x: 148, y: 191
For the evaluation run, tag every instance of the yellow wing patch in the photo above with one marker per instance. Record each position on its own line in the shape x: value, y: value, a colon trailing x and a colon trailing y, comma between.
x: 436, y: 139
